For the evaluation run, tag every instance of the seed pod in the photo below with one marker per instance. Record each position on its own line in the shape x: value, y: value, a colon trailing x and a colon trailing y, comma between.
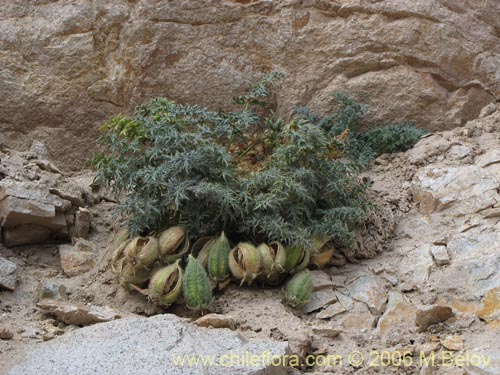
x: 195, y: 285
x: 173, y: 244
x: 142, y: 252
x: 179, y: 253
x: 298, y: 289
x: 130, y: 276
x: 201, y: 249
x: 166, y: 284
x: 121, y: 237
x: 321, y: 258
x: 218, y: 258
x: 244, y: 262
x: 297, y: 258
x: 273, y: 259
x: 116, y: 256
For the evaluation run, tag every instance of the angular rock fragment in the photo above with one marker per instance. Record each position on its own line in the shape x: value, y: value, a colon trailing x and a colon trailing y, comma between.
x: 440, y: 255
x: 8, y: 274
x: 320, y: 298
x: 216, y: 321
x: 371, y: 291
x: 78, y: 314
x: 48, y: 289
x: 78, y: 258
x: 428, y: 316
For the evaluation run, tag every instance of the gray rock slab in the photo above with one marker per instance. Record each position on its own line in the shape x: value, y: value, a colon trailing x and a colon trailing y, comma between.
x: 148, y: 346
x: 8, y: 274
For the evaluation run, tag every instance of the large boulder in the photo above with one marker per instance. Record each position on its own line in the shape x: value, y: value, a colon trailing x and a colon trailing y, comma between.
x: 67, y: 66
x: 152, y: 346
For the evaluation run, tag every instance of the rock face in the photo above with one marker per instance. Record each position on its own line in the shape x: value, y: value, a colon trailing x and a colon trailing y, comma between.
x: 67, y: 66
x: 142, y: 346
x: 37, y: 203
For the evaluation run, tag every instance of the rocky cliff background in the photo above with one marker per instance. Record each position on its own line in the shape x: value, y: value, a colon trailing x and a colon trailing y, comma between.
x: 66, y: 66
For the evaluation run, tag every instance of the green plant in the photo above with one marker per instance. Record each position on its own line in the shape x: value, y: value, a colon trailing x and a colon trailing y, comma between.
x: 247, y: 172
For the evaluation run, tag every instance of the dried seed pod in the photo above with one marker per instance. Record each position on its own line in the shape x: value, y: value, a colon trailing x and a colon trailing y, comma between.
x: 130, y: 276
x: 298, y: 289
x: 121, y: 237
x: 142, y: 252
x: 273, y: 260
x: 321, y: 258
x: 166, y: 284
x: 179, y: 253
x: 218, y: 258
x: 201, y: 249
x: 172, y: 242
x: 116, y: 256
x: 244, y: 262
x: 195, y: 285
x: 297, y: 259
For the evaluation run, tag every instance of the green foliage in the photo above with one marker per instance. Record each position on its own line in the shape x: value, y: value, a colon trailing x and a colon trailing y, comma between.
x: 247, y: 172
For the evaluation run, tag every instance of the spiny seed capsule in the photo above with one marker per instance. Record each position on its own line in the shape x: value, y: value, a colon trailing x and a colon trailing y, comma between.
x: 142, y: 252
x: 244, y: 262
x: 196, y: 286
x: 298, y: 289
x: 173, y: 244
x: 218, y: 258
x: 166, y: 284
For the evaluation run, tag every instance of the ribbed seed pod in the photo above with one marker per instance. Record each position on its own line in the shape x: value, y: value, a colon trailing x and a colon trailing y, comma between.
x: 142, y: 252
x: 130, y: 276
x: 218, y: 258
x: 165, y: 285
x: 116, y: 256
x: 298, y: 289
x: 195, y: 285
x: 273, y: 260
x: 297, y: 258
x: 244, y: 262
x: 201, y: 249
x: 173, y: 244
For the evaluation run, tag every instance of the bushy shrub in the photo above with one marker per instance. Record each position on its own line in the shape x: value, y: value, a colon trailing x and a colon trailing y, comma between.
x: 247, y: 172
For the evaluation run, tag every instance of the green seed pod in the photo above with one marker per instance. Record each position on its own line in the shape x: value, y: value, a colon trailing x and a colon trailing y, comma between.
x: 130, y: 276
x: 170, y: 240
x: 195, y: 285
x: 298, y: 289
x: 244, y: 262
x: 201, y: 249
x: 297, y: 258
x: 218, y: 258
x: 142, y: 252
x: 166, y: 284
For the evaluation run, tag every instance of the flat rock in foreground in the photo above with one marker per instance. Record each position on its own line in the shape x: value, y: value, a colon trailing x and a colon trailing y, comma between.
x: 137, y: 346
